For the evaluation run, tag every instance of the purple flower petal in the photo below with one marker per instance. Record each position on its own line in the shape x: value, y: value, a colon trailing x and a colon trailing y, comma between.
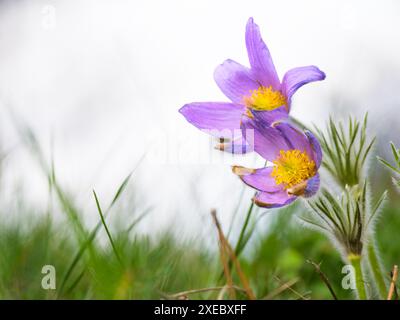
x: 259, y: 179
x: 260, y: 59
x: 295, y: 138
x: 269, y: 117
x: 266, y: 141
x: 221, y: 117
x: 297, y: 77
x: 273, y: 200
x: 312, y: 186
x: 234, y: 80
x: 306, y: 188
x: 316, y: 147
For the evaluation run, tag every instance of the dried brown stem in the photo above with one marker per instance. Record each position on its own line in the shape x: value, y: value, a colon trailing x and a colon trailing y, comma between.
x: 233, y: 257
x: 281, y: 289
x: 392, y: 287
x: 301, y: 296
x: 324, y: 278
x: 222, y: 251
x: 188, y: 292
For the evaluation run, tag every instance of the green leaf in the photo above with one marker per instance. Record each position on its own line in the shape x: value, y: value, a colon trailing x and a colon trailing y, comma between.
x: 106, y: 228
x: 388, y: 165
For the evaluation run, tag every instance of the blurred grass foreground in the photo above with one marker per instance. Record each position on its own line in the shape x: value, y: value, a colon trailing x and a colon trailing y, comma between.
x: 130, y: 265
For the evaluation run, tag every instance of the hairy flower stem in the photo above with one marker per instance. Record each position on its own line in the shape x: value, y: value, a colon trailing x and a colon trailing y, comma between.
x: 355, y: 261
x: 373, y: 257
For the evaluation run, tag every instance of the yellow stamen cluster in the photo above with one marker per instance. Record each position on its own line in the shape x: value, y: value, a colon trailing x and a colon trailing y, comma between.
x: 265, y: 99
x: 292, y: 167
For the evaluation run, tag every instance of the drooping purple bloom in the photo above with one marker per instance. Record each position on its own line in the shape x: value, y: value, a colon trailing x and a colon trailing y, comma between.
x: 255, y: 92
x: 295, y: 157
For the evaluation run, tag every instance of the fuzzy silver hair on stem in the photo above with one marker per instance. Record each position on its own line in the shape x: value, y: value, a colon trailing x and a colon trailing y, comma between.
x: 347, y: 215
x: 395, y: 168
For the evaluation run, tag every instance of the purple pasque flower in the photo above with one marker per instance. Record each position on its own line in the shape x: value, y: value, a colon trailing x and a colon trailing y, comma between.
x: 255, y: 92
x: 295, y: 157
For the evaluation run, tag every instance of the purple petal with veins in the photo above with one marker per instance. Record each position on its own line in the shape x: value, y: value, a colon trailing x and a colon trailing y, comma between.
x: 259, y: 179
x: 312, y: 186
x: 262, y: 66
x: 266, y: 141
x: 295, y: 138
x: 273, y: 199
x: 221, y: 119
x: 234, y: 80
x: 298, y: 77
x: 316, y: 147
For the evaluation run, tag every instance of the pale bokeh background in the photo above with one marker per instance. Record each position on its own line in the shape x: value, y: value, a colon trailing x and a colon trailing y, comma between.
x: 102, y: 82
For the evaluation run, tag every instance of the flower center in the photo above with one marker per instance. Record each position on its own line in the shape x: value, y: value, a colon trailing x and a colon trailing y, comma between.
x: 292, y: 167
x: 265, y: 99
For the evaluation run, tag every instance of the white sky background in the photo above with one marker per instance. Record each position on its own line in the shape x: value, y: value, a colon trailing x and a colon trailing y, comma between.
x: 105, y: 79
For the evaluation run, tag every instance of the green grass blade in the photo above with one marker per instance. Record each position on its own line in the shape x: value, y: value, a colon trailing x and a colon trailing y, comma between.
x: 93, y: 233
x: 138, y: 219
x: 106, y: 228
